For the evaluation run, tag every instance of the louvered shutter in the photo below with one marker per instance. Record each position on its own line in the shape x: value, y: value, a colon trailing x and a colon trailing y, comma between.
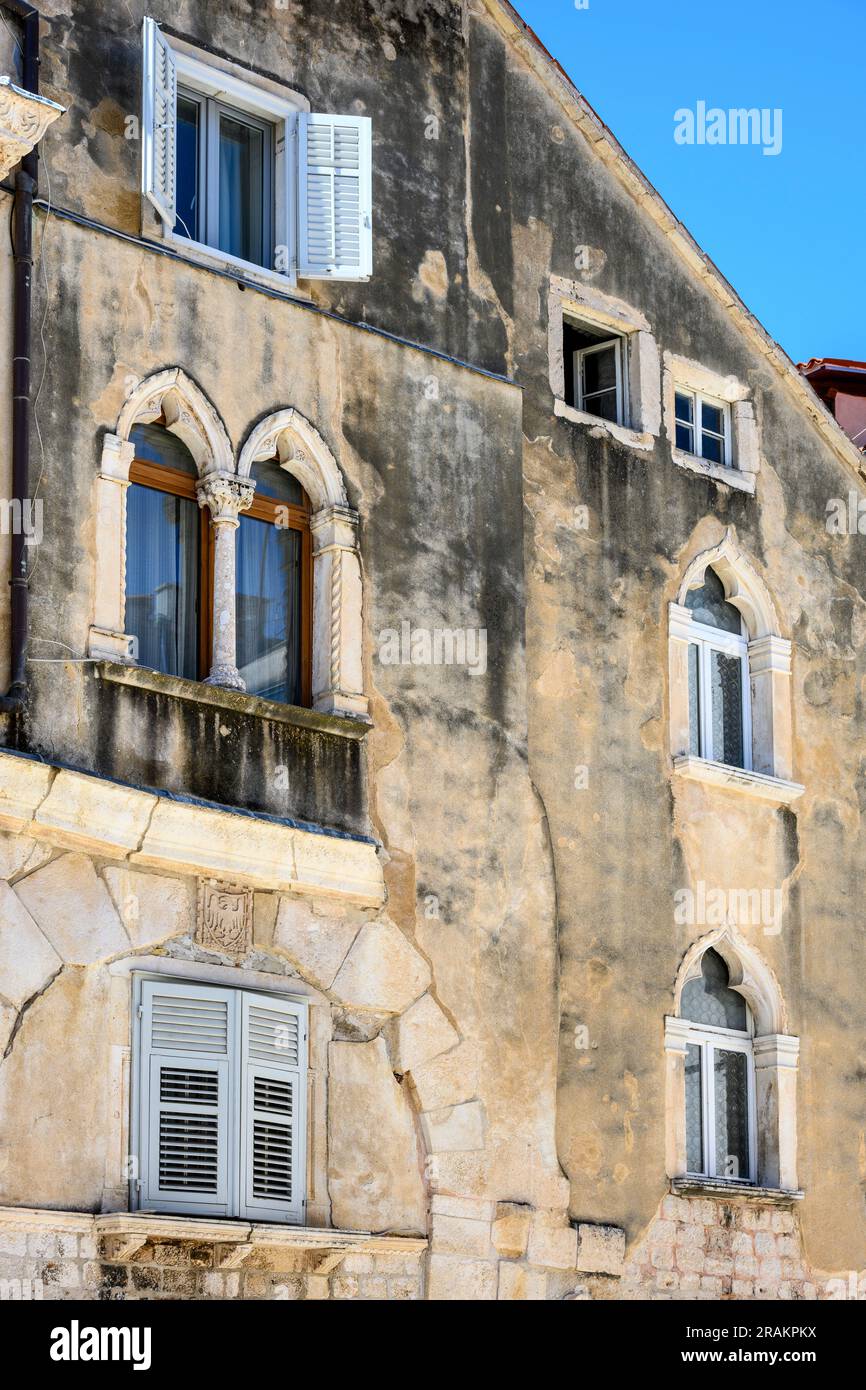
x: 273, y: 1108
x: 187, y: 1096
x: 334, y: 197
x: 159, y: 122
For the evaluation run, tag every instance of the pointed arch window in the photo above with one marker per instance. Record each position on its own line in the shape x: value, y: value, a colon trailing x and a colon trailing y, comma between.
x: 274, y: 588
x: 719, y: 1075
x: 169, y: 560
x: 731, y: 716
x: 720, y: 725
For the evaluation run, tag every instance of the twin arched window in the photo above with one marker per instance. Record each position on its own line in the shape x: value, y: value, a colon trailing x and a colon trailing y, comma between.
x: 170, y: 568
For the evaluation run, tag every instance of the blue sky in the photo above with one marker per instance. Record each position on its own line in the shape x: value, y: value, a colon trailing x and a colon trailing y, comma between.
x: 787, y: 230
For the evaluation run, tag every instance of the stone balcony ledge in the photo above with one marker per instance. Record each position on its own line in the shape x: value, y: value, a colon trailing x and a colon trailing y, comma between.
x: 735, y: 1191
x: 141, y: 1226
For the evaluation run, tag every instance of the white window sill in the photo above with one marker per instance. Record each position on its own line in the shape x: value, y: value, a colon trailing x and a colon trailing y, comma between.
x: 696, y: 1186
x: 213, y: 259
x: 755, y: 784
x: 634, y: 439
x: 731, y: 477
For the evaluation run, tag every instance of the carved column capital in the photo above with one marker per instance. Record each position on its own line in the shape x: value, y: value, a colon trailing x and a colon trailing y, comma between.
x: 226, y: 495
x: 24, y: 118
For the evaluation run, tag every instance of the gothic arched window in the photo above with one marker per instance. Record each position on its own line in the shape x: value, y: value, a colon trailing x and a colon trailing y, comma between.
x: 168, y: 556
x: 720, y: 1075
x: 274, y: 588
x: 720, y: 727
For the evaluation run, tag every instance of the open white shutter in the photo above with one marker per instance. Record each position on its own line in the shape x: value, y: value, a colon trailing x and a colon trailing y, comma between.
x: 186, y: 1084
x: 335, y: 234
x: 159, y: 122
x: 273, y: 1109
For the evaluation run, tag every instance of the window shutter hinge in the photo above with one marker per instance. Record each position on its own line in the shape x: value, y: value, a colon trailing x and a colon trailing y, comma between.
x: 139, y: 1013
x: 138, y: 1184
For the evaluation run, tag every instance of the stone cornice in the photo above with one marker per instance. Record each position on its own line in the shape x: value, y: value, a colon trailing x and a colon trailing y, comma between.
x: 79, y: 811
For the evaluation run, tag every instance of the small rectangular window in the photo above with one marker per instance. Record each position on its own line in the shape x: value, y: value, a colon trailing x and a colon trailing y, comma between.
x: 234, y: 167
x: 595, y: 382
x: 220, y: 1101
x: 703, y: 427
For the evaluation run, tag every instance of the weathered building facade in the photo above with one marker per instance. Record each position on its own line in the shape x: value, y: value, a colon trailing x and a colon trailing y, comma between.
x: 431, y: 836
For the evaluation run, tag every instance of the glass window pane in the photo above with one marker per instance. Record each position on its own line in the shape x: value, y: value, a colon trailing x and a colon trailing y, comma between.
x: 726, y: 678
x: 186, y: 188
x: 685, y: 438
x: 241, y: 192
x: 684, y: 407
x: 603, y: 404
x: 278, y: 483
x: 709, y: 605
x: 156, y: 444
x: 694, y: 1122
x: 712, y: 418
x: 599, y: 370
x: 269, y: 609
x: 731, y: 1102
x: 162, y: 568
x: 712, y: 449
x: 694, y: 700
x: 709, y: 998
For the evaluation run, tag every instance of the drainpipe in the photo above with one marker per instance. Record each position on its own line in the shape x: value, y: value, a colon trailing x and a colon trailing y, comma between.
x: 22, y: 240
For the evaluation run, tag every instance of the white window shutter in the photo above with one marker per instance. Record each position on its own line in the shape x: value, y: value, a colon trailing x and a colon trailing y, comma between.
x: 273, y: 1109
x: 186, y: 1096
x: 159, y: 122
x: 335, y: 232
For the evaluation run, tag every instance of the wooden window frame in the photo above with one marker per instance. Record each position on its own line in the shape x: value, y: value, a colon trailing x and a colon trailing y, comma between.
x: 296, y: 518
x: 159, y: 477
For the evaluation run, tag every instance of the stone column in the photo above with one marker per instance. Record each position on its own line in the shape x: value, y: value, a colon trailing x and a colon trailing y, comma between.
x: 677, y: 1032
x: 776, y: 1059
x: 226, y: 495
x: 770, y: 676
x: 107, y: 638
x: 679, y: 628
x: 337, y: 621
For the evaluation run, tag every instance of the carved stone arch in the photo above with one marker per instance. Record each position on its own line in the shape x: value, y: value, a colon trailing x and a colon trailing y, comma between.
x: 748, y: 974
x: 337, y: 596
x: 188, y: 413
x: 289, y: 437
x: 744, y: 587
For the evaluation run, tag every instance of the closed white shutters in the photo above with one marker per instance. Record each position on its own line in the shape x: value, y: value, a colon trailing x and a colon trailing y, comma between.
x: 334, y: 197
x: 221, y: 1101
x: 159, y: 123
x: 272, y: 1108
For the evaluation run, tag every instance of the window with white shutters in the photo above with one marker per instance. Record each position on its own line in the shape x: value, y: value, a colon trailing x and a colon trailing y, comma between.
x: 220, y: 1102
x: 336, y: 238
x: 271, y: 1108
x: 159, y: 122
x: 240, y: 172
